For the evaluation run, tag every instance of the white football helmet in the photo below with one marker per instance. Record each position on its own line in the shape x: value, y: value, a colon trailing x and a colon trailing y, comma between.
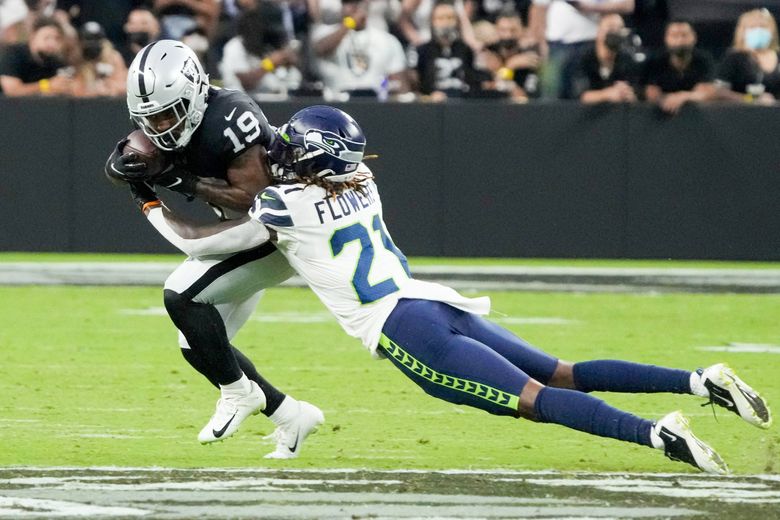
x: 167, y: 82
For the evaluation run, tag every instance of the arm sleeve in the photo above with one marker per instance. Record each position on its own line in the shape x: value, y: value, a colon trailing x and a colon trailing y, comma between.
x: 271, y: 210
x: 242, y: 236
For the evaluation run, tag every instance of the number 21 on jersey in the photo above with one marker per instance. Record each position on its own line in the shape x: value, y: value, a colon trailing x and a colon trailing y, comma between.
x: 366, y: 291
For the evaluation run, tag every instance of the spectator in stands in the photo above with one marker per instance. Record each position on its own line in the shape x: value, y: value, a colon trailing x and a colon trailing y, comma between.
x: 414, y: 22
x: 515, y: 59
x: 260, y: 60
x: 750, y: 71
x: 381, y: 13
x: 445, y: 65
x: 681, y: 73
x: 606, y: 72
x: 356, y: 60
x: 12, y: 16
x: 565, y: 29
x: 142, y: 27
x: 179, y: 16
x: 100, y: 70
x: 31, y: 68
x: 491, y: 10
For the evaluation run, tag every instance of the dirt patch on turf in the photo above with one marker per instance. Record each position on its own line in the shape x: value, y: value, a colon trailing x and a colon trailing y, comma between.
x: 177, y: 493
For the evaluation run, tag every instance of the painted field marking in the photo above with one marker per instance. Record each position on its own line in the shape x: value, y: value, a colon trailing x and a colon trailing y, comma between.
x: 17, y: 507
x: 326, y: 317
x: 743, y: 348
x: 250, y: 493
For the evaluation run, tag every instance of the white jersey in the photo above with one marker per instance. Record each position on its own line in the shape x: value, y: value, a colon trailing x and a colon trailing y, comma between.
x: 341, y: 247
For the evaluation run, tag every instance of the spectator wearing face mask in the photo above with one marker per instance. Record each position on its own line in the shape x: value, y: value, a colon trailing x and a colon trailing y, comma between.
x: 606, y: 72
x: 445, y: 64
x: 681, y: 73
x: 29, y: 69
x: 750, y: 71
x: 100, y: 71
x: 141, y: 28
x: 514, y: 59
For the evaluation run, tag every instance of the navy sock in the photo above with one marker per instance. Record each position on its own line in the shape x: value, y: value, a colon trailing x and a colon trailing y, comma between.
x: 623, y: 376
x: 588, y: 414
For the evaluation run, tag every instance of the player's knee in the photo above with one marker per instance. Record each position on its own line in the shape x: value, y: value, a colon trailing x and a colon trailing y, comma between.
x: 527, y: 405
x: 563, y: 377
x: 175, y: 303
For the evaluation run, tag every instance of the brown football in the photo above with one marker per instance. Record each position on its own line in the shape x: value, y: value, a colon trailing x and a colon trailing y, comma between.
x: 137, y: 143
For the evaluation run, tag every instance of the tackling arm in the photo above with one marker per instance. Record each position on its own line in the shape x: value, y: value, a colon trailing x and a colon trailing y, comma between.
x: 246, y: 177
x: 224, y: 237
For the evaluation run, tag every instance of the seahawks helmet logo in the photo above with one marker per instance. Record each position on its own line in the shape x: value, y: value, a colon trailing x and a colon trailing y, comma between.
x: 332, y: 144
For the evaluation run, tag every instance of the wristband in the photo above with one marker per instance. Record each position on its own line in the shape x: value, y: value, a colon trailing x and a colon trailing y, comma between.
x: 150, y: 205
x: 45, y: 86
x: 267, y: 65
x: 349, y: 23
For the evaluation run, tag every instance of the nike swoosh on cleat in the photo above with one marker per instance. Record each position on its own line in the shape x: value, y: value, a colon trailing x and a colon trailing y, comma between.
x: 230, y: 115
x: 220, y: 433
x: 672, y: 437
x: 175, y: 183
x: 295, y: 445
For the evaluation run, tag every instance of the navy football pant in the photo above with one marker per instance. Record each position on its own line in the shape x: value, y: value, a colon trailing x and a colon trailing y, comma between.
x: 460, y: 357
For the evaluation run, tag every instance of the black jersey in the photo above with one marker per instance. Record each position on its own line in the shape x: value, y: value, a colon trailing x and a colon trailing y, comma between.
x: 232, y: 123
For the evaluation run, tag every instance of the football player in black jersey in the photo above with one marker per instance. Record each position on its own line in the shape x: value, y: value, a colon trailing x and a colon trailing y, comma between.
x: 216, y: 143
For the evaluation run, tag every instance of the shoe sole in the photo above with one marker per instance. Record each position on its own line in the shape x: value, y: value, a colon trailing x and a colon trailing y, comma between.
x: 711, y: 456
x: 735, y: 386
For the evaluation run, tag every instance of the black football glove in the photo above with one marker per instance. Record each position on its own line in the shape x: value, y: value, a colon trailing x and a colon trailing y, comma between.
x: 177, y: 179
x: 142, y: 194
x: 125, y: 167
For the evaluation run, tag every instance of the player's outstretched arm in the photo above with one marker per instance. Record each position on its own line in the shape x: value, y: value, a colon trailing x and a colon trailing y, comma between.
x: 193, y: 239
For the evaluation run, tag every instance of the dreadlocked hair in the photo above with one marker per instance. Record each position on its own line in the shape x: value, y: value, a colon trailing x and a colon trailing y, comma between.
x: 332, y: 189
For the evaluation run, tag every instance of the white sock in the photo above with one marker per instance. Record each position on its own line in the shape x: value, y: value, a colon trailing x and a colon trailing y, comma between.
x: 697, y: 387
x: 242, y: 385
x: 655, y: 440
x: 286, y: 412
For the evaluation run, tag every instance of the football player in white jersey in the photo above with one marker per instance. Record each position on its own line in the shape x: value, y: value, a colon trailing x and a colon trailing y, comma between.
x: 325, y: 215
x: 216, y: 139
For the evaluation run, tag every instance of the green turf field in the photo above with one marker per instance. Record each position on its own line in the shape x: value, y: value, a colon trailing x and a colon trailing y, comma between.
x: 93, y: 376
x: 528, y: 262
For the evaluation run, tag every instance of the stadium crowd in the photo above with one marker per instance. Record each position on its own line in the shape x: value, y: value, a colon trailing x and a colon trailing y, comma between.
x: 594, y: 51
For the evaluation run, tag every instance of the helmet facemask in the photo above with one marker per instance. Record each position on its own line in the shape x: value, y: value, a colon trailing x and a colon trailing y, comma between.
x: 184, y: 114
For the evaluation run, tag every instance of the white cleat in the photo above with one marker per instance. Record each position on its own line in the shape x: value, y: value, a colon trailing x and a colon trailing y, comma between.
x: 682, y: 445
x: 232, y: 409
x: 730, y: 392
x: 289, y: 437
